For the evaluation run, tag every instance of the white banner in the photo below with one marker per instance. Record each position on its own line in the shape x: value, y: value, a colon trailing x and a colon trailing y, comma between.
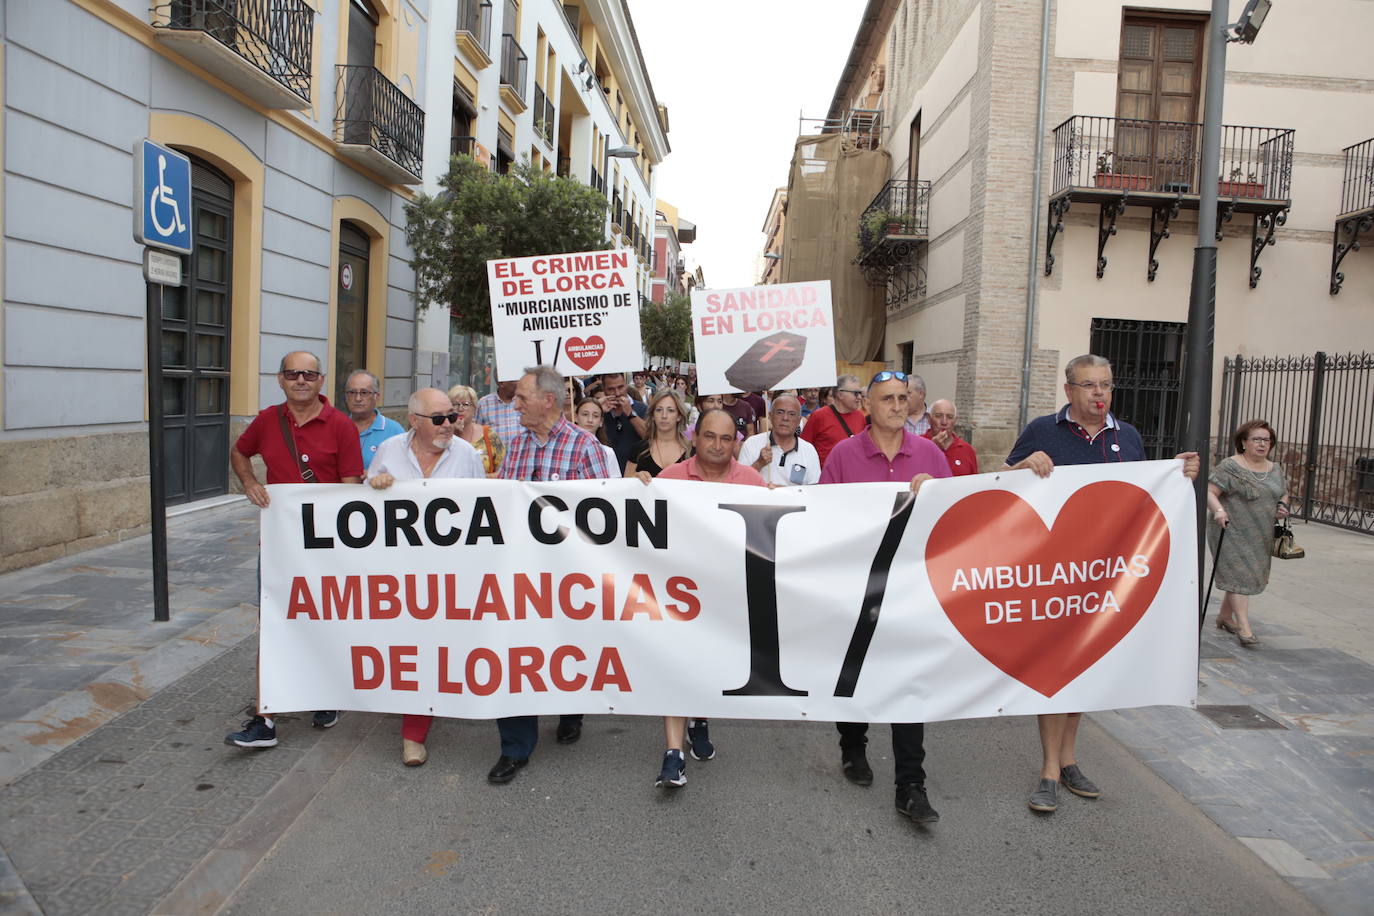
x: 576, y: 312
x: 998, y: 594
x: 764, y: 337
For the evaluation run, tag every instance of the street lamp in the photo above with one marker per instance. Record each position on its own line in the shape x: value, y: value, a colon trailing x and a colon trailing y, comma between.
x: 772, y: 256
x: 624, y: 152
x: 1250, y: 21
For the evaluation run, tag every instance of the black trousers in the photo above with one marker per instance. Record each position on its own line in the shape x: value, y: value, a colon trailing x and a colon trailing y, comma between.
x: 908, y: 747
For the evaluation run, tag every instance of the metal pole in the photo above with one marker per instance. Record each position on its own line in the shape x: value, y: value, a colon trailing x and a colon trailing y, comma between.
x: 157, y: 492
x: 1202, y: 300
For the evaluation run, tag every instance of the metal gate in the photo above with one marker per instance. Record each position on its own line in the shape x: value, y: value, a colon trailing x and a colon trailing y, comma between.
x: 1322, y: 410
x: 1146, y: 361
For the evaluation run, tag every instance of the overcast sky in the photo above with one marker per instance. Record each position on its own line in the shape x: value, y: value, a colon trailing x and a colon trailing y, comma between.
x: 735, y: 74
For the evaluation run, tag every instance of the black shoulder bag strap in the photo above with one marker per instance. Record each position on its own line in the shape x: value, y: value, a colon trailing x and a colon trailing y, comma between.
x: 307, y: 474
x: 840, y: 417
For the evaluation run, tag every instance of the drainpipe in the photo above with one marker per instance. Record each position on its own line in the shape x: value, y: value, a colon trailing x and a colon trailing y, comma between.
x: 1032, y: 281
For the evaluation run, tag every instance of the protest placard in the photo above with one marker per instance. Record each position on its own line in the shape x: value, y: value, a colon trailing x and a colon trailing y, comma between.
x: 763, y: 337
x: 987, y: 595
x: 576, y: 312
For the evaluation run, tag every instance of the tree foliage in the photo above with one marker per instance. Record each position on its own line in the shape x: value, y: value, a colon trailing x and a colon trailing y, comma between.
x: 665, y: 329
x: 480, y: 215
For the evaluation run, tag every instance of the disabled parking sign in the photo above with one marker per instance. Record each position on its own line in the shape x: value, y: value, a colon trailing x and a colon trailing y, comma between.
x: 162, y: 197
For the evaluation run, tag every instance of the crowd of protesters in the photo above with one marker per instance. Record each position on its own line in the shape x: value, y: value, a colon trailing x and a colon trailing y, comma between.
x: 547, y: 427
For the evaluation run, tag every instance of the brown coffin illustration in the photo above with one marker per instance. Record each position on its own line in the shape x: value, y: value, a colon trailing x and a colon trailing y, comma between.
x: 767, y: 362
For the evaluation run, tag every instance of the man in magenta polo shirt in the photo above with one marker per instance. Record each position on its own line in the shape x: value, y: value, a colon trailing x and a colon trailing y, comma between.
x: 888, y: 451
x: 302, y: 440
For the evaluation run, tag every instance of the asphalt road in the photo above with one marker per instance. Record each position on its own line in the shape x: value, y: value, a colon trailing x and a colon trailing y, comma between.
x: 769, y: 826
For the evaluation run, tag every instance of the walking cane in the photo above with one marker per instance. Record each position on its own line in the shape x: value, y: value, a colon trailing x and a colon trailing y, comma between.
x: 1221, y: 536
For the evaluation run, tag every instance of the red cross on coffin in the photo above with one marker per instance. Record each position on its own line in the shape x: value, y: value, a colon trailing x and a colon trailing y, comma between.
x: 767, y: 362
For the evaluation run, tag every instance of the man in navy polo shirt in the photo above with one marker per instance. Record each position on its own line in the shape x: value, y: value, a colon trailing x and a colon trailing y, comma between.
x: 1084, y: 431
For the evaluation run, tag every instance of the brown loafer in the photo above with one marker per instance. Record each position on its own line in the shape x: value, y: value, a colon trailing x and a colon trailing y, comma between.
x: 413, y: 753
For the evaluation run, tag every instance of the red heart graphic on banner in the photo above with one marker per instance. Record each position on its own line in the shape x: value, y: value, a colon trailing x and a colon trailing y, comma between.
x: 1042, y: 604
x: 585, y: 353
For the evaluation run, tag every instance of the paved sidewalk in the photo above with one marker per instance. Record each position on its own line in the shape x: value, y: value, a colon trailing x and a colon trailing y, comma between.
x: 118, y: 796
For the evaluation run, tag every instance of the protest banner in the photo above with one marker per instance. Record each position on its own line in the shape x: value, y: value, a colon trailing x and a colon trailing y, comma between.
x: 576, y: 312
x: 999, y: 594
x: 763, y: 337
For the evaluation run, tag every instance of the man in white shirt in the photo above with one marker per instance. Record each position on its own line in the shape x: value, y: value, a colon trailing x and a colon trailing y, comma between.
x: 780, y: 455
x: 429, y: 450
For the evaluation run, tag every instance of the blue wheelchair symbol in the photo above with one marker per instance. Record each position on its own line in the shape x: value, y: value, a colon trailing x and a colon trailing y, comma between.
x: 162, y: 210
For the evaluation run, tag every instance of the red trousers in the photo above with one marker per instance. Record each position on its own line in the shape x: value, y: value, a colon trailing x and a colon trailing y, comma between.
x: 416, y: 728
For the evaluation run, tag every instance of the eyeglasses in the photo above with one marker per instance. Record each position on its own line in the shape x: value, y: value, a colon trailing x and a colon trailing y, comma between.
x: 309, y: 375
x: 360, y: 393
x: 462, y: 405
x: 854, y: 391
x: 887, y: 375
x: 1093, y: 386
x: 438, y: 418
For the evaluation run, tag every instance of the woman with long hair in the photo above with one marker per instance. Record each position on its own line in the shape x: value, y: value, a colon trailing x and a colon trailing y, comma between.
x: 489, y: 446
x: 1246, y: 494
x: 667, y: 442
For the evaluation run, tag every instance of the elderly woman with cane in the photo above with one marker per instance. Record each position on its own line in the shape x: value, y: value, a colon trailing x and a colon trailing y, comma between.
x: 1246, y: 494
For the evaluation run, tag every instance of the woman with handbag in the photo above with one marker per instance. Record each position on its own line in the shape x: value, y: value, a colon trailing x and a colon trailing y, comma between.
x: 1246, y: 494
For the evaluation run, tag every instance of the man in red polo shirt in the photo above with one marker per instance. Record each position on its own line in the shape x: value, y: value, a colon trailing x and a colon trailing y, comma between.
x: 828, y: 426
x: 960, y: 455
x: 302, y: 440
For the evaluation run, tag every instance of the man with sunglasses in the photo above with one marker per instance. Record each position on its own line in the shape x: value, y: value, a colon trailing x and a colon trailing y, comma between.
x: 361, y: 394
x: 888, y: 451
x: 828, y: 426
x: 780, y: 455
x: 1084, y: 431
x: 302, y: 440
x: 547, y: 449
x: 430, y: 450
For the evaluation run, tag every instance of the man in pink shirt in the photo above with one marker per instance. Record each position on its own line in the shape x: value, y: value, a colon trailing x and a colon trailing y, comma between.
x: 888, y: 451
x: 714, y: 462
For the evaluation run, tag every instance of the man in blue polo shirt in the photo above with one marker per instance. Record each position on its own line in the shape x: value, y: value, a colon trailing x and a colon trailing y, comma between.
x: 1084, y: 431
x: 361, y: 394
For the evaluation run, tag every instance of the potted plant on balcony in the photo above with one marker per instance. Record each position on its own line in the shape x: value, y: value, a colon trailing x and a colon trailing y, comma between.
x: 881, y: 222
x: 1105, y: 177
x: 1232, y: 186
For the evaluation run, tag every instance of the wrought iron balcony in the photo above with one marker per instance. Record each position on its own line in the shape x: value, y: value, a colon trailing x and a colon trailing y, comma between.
x: 617, y: 215
x: 377, y: 125
x: 514, y: 69
x: 543, y: 115
x: 260, y: 47
x: 891, y: 230
x: 1117, y: 163
x: 1357, y: 207
x: 461, y: 146
x: 474, y: 31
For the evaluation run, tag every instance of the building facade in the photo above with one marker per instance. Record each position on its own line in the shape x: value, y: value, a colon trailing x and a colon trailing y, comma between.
x: 303, y: 122
x: 774, y: 224
x: 563, y: 85
x: 990, y: 284
x: 671, y: 232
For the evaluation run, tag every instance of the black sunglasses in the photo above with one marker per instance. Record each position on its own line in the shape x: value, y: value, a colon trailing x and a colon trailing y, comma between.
x: 309, y: 375
x: 439, y: 418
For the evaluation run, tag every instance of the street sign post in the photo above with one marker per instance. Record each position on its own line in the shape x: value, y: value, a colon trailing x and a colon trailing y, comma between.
x: 162, y: 220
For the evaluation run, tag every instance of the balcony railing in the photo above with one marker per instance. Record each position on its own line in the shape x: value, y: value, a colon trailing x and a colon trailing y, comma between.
x: 1120, y: 162
x: 372, y: 112
x: 1357, y: 187
x: 617, y: 216
x: 474, y: 18
x: 550, y: 118
x: 275, y: 36
x: 1165, y: 157
x: 461, y: 146
x: 543, y: 114
x: 896, y: 218
x: 1357, y: 207
x: 514, y: 65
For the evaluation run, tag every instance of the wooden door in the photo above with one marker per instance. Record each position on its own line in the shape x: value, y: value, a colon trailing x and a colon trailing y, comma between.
x: 1157, y: 101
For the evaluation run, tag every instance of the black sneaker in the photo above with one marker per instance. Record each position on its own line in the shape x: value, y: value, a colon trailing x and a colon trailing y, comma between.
x: 256, y: 733
x: 674, y: 771
x: 854, y: 762
x: 699, y: 737
x: 912, y: 801
x: 325, y: 718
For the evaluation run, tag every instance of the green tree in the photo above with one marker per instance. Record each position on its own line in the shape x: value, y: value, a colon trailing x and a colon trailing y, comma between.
x: 665, y: 329
x: 480, y: 215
